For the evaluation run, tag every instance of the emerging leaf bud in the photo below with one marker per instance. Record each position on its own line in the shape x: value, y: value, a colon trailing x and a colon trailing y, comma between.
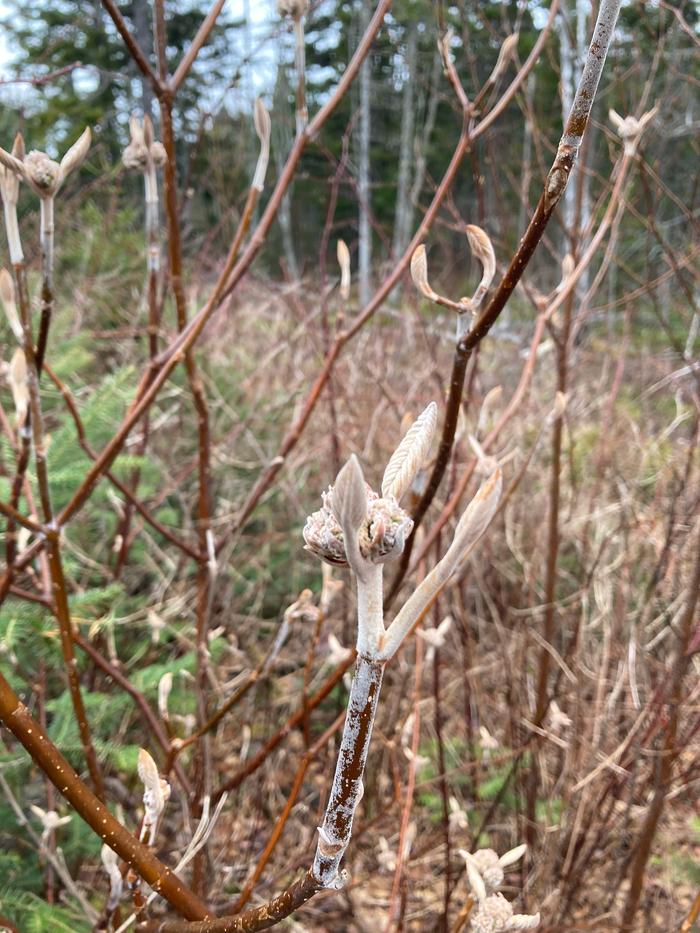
x: 7, y: 293
x: 75, y: 155
x: 294, y: 8
x: 42, y: 173
x: 263, y: 127
x: 344, y: 262
x: 381, y: 534
x: 158, y: 154
x: 110, y: 862
x: 18, y: 384
x: 410, y: 455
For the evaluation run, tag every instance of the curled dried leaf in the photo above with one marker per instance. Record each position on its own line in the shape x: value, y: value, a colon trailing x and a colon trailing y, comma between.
x: 419, y: 272
x: 481, y: 246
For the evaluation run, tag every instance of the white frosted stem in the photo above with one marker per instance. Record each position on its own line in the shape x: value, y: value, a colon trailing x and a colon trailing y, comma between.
x: 151, y: 198
x: 335, y: 832
x: 370, y: 610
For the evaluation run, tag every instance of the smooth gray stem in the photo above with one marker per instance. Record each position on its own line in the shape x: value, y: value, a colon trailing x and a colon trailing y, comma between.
x: 346, y: 792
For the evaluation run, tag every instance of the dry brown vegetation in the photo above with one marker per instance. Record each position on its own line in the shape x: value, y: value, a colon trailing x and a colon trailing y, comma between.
x: 153, y: 526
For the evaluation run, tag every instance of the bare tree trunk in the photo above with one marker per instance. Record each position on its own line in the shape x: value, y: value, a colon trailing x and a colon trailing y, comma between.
x: 143, y: 32
x: 526, y: 163
x: 281, y: 144
x: 364, y: 227
x: 566, y: 91
x: 582, y: 9
x: 403, y: 213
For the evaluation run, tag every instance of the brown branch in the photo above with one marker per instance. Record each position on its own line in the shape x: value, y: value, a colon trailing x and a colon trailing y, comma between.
x: 154, y: 723
x: 664, y: 764
x: 554, y: 186
x: 199, y: 40
x: 293, y: 722
x: 306, y: 760
x: 17, y: 718
x: 132, y: 45
x: 257, y: 918
x: 52, y: 535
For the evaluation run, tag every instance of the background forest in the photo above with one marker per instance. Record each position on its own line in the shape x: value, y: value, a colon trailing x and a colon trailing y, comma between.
x: 551, y: 697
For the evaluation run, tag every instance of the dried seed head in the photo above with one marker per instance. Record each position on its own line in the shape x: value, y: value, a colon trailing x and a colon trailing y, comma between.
x: 263, y: 127
x: 344, y: 262
x: 42, y: 173
x: 17, y: 378
x: 410, y: 455
x: 7, y: 293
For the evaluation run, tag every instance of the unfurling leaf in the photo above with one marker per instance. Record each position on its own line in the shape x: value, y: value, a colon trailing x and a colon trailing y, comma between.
x: 410, y: 455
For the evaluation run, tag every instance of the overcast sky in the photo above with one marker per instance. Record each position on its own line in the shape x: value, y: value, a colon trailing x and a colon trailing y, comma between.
x: 261, y: 15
